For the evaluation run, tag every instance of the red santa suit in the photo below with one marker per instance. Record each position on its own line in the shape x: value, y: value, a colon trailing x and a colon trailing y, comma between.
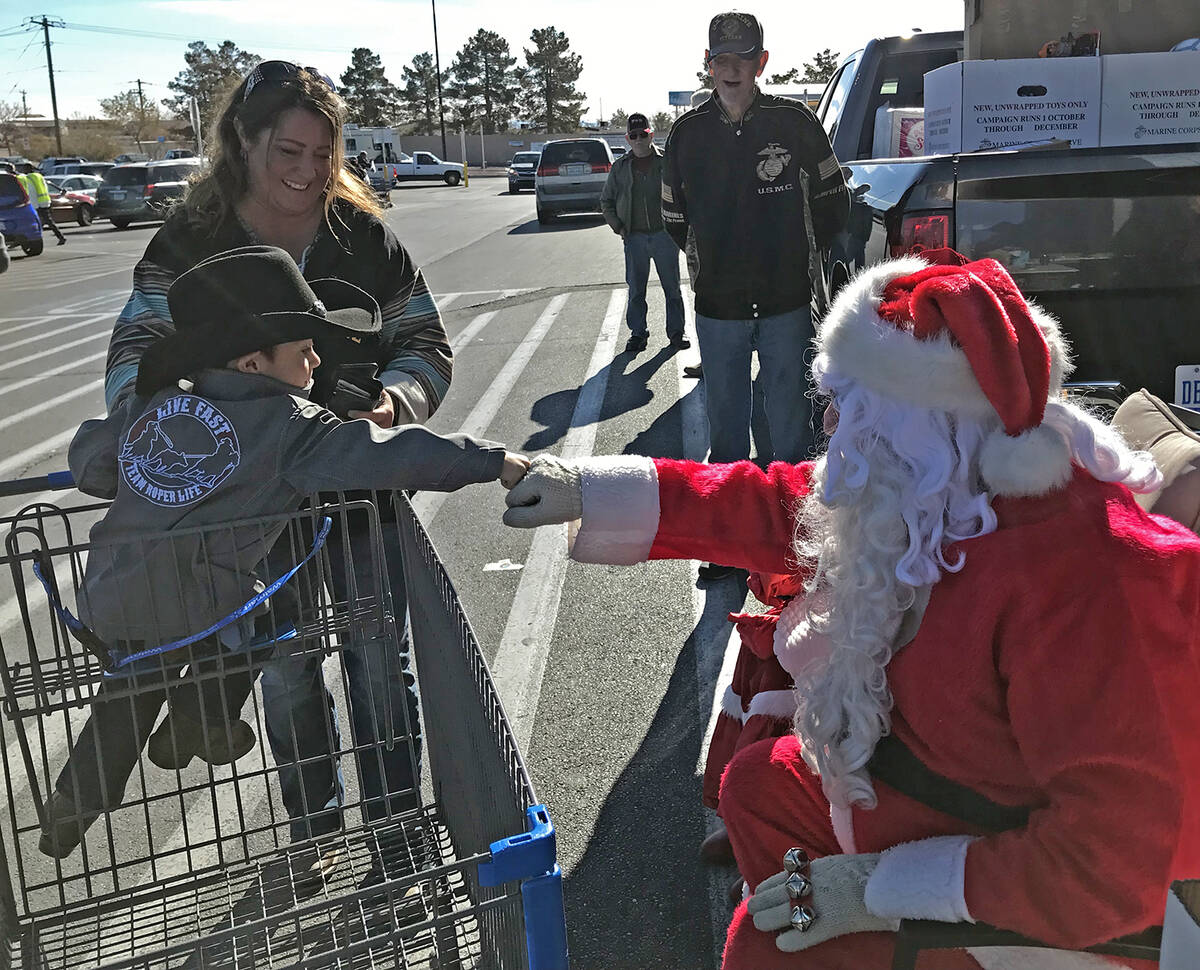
x: 758, y: 702
x: 1058, y: 670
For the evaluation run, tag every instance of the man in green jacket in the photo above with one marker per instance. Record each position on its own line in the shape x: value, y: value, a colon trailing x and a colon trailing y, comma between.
x: 39, y: 194
x: 631, y: 203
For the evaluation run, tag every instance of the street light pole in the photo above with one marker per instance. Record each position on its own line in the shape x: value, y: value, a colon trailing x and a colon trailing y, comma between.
x: 437, y: 66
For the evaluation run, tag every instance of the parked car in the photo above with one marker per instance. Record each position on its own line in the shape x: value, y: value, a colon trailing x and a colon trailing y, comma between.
x: 618, y: 150
x: 570, y: 176
x: 14, y: 160
x: 522, y: 171
x: 67, y: 205
x: 1106, y: 239
x: 79, y: 168
x: 139, y: 192
x: 85, y: 184
x: 48, y: 163
x: 131, y: 157
x: 19, y: 222
x: 424, y: 167
x: 173, y: 153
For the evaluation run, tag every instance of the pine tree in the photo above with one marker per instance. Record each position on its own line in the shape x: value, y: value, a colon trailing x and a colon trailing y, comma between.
x: 548, y: 96
x: 419, y: 96
x: 211, y: 74
x: 821, y: 68
x: 661, y: 122
x: 619, y: 119
x: 369, y: 95
x: 484, y: 87
x: 787, y: 77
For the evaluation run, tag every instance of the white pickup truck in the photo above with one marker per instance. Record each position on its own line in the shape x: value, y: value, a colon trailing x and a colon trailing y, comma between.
x: 424, y: 167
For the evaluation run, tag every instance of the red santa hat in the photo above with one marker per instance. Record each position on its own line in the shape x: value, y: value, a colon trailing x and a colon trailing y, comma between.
x: 943, y: 333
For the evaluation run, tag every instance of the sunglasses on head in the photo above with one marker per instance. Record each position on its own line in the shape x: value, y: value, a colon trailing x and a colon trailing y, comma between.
x: 281, y: 72
x: 639, y: 134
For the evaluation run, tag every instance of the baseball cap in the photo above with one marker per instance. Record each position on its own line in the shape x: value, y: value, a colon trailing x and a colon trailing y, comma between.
x: 735, y: 33
x: 638, y: 123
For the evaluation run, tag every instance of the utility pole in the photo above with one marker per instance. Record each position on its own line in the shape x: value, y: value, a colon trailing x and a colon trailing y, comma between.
x: 24, y: 107
x: 46, y: 23
x: 437, y: 66
x: 141, y: 113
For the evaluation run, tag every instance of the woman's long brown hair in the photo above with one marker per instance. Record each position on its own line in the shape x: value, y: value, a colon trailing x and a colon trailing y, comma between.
x: 212, y: 198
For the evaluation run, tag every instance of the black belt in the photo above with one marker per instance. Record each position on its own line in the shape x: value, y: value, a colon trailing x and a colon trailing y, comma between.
x: 895, y: 765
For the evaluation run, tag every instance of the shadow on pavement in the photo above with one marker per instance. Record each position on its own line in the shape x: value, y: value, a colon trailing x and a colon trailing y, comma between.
x: 625, y: 392
x: 638, y: 897
x: 560, y: 224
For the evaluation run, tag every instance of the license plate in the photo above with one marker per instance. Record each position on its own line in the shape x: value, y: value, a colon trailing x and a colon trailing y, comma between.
x: 1187, y: 385
x: 117, y: 196
x: 574, y: 168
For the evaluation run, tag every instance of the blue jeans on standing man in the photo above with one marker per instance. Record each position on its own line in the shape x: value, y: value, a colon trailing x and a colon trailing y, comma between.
x: 783, y: 341
x: 640, y: 248
x: 299, y: 709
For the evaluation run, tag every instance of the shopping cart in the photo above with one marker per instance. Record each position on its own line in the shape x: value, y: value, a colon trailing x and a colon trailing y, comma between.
x: 193, y: 866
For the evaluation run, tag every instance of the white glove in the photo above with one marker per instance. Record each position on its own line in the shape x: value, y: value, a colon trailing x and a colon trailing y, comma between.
x: 551, y: 492
x: 838, y: 885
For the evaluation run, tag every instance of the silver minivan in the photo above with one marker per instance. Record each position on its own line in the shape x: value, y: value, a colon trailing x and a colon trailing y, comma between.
x: 570, y: 176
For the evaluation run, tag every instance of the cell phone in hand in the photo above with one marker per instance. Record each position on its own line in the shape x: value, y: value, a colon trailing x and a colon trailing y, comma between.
x: 355, y: 388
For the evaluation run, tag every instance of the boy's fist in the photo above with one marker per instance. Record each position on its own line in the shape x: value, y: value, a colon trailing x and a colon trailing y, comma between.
x: 515, y: 467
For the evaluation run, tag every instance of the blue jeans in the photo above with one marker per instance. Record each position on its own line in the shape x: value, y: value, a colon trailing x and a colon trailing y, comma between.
x: 301, y: 717
x: 640, y: 248
x: 783, y: 342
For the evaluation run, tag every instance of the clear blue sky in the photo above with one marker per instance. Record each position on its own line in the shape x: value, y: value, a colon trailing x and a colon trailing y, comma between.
x: 634, y: 52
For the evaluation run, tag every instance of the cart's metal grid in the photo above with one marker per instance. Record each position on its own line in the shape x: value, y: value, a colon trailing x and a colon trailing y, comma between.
x: 195, y: 868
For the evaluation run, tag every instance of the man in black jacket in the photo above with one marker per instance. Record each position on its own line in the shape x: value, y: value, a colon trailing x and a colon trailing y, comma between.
x: 751, y: 180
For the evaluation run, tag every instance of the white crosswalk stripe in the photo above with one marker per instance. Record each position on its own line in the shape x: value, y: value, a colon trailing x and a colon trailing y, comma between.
x: 524, y: 650
x: 485, y: 411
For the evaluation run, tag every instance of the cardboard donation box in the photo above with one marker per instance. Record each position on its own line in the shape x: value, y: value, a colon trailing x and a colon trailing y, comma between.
x: 1181, y: 927
x: 899, y: 132
x: 1150, y: 99
x: 982, y: 105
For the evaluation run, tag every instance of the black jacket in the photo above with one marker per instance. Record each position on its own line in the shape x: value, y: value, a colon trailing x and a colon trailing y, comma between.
x: 760, y: 199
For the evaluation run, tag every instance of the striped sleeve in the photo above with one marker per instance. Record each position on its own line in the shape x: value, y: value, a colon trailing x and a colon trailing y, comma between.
x: 421, y: 361
x: 144, y: 319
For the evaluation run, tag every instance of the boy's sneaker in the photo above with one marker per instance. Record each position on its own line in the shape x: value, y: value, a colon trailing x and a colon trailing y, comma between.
x: 64, y: 825
x: 636, y: 344
x: 179, y: 739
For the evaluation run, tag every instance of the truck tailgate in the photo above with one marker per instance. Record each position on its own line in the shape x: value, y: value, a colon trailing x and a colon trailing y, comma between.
x: 1106, y: 239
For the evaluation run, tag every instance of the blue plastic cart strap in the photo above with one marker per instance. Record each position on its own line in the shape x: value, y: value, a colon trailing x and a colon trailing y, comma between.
x: 534, y: 853
x: 545, y: 922
x: 77, y: 627
x: 60, y: 480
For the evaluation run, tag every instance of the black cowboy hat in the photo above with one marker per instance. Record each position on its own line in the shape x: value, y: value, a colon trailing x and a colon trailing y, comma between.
x: 243, y: 300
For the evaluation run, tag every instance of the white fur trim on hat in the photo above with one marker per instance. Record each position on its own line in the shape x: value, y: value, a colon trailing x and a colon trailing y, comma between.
x: 922, y: 880
x: 1032, y: 463
x: 620, y: 510
x: 932, y: 373
x: 780, y: 704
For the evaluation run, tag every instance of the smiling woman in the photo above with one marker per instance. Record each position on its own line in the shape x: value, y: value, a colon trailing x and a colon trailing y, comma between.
x: 276, y: 178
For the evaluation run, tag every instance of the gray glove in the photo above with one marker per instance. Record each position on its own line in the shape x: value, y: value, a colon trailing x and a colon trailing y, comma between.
x: 837, y: 885
x: 551, y: 492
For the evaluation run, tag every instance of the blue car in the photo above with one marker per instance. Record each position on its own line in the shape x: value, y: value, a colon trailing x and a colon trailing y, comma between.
x: 19, y: 220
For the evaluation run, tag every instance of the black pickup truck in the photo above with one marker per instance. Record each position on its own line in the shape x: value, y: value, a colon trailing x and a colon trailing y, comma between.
x: 1107, y: 239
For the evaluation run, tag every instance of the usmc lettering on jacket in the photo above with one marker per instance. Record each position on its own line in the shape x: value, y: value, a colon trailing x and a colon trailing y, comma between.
x: 774, y: 162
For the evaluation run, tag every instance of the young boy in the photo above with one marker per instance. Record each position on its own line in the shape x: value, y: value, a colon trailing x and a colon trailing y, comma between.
x: 211, y: 466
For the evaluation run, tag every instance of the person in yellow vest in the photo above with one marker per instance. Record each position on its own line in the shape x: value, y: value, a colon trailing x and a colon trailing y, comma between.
x: 39, y: 194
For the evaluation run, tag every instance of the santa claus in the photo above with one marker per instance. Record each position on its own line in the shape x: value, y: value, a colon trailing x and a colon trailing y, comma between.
x: 994, y: 650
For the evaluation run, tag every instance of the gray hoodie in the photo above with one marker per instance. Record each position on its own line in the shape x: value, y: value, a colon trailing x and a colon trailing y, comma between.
x: 195, y: 478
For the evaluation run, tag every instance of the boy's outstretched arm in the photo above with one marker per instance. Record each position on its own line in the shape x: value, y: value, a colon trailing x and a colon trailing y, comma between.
x: 320, y: 452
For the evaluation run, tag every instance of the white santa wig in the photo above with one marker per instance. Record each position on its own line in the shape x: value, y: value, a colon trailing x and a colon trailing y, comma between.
x: 919, y: 451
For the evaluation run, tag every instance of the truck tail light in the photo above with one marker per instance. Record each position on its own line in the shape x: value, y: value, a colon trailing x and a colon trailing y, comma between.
x: 600, y: 168
x: 148, y: 191
x: 920, y: 231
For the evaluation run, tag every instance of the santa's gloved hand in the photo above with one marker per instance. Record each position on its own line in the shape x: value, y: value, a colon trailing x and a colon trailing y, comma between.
x: 817, y: 901
x: 551, y: 492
